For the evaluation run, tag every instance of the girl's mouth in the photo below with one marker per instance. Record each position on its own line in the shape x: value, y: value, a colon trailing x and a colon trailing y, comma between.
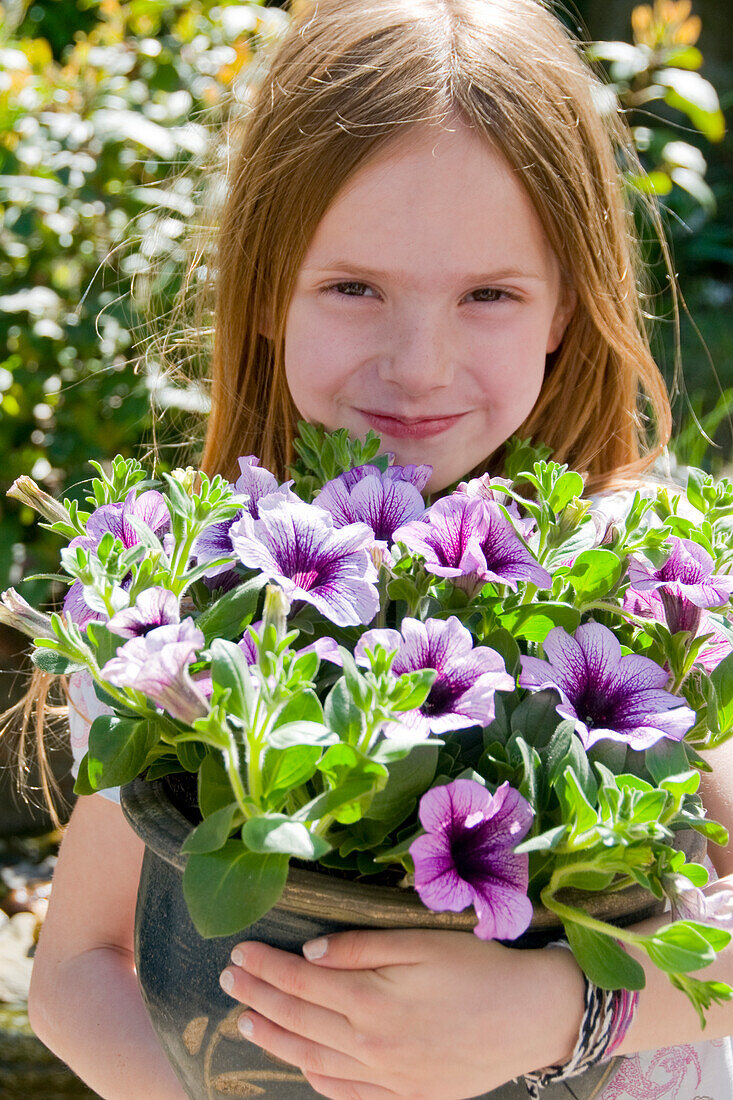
x: 399, y: 428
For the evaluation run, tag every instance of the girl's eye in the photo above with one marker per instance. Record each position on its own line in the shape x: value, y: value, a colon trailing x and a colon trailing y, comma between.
x: 489, y: 294
x: 349, y: 289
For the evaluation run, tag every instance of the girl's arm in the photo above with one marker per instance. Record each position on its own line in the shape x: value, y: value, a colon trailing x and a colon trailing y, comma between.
x: 84, y: 1001
x: 416, y: 1013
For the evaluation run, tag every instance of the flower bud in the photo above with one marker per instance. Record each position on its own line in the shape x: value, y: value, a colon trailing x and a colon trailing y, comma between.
x: 18, y: 613
x: 27, y: 492
x: 275, y: 612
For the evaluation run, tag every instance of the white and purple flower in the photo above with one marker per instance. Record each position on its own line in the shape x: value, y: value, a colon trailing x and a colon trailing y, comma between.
x: 382, y: 499
x: 466, y: 856
x: 154, y: 606
x: 685, y: 584
x: 298, y: 546
x: 148, y: 508
x: 257, y: 484
x: 648, y: 605
x: 462, y: 693
x: 469, y: 537
x: 607, y: 694
x: 157, y: 665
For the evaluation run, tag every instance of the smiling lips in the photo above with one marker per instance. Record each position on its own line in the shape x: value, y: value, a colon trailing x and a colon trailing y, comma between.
x: 402, y: 428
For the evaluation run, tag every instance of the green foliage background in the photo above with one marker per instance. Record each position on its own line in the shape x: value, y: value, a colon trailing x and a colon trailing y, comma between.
x: 106, y: 111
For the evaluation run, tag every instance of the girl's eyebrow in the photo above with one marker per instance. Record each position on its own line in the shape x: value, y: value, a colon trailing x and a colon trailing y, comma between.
x: 402, y: 277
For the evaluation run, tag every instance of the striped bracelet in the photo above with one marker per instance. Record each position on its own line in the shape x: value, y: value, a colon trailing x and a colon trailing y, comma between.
x: 607, y: 1016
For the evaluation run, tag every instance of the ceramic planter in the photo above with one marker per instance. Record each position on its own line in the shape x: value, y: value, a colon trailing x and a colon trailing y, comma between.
x: 179, y: 971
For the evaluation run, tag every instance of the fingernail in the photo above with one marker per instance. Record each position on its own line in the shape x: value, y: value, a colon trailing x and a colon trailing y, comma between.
x: 315, y: 949
x: 226, y: 980
x: 246, y: 1026
x: 237, y: 956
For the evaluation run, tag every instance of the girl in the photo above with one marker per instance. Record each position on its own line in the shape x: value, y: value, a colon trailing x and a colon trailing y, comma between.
x: 425, y: 235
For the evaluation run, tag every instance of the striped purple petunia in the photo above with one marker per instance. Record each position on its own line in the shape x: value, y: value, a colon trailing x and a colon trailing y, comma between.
x: 157, y: 664
x: 382, y: 499
x: 119, y: 519
x: 257, y: 484
x: 607, y: 694
x: 462, y: 693
x: 298, y: 546
x: 685, y: 584
x: 466, y: 855
x: 154, y: 606
x: 468, y: 537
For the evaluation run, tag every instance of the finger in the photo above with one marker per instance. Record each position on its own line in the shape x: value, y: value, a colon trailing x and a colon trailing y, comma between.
x: 303, y: 1019
x: 337, y: 1089
x: 367, y: 949
x: 296, y: 1051
x: 296, y: 976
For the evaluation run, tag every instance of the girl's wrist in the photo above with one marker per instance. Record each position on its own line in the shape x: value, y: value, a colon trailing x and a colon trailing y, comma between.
x: 558, y: 1006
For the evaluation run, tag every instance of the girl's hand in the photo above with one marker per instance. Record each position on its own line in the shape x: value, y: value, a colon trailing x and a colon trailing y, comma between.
x: 414, y: 1014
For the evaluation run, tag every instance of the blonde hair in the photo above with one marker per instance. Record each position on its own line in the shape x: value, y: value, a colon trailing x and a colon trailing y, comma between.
x: 349, y: 77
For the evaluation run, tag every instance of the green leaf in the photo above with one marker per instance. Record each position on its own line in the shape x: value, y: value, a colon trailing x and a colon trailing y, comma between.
x: 190, y: 754
x: 665, y: 758
x: 593, y: 575
x: 228, y: 890
x: 304, y: 706
x: 578, y: 811
x: 567, y: 486
x: 301, y: 733
x: 82, y: 785
x: 286, y: 769
x: 232, y: 611
x: 534, y: 621
x: 556, y: 752
x: 543, y: 842
x: 536, y: 717
x: 230, y: 670
x: 722, y: 678
x: 104, y: 642
x: 279, y: 833
x: 214, y: 788
x: 505, y: 644
x: 679, y: 948
x: 343, y: 715
x: 48, y: 660
x: 408, y: 778
x: 602, y: 959
x: 213, y: 832
x: 118, y: 749
x: 711, y: 830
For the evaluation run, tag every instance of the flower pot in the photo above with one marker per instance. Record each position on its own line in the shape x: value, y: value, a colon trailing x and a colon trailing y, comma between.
x: 178, y: 970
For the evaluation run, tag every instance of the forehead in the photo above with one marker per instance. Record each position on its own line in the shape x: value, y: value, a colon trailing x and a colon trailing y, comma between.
x: 433, y: 199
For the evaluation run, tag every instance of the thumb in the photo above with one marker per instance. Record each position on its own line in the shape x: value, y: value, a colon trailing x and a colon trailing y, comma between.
x: 367, y: 949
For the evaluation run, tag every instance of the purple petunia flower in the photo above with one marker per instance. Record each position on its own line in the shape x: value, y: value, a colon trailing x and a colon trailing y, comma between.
x: 462, y: 693
x: 257, y: 484
x: 685, y: 582
x: 157, y: 665
x: 648, y: 605
x: 466, y: 856
x: 154, y: 607
x: 608, y: 695
x: 148, y: 508
x: 469, y: 537
x: 298, y: 546
x: 384, y: 500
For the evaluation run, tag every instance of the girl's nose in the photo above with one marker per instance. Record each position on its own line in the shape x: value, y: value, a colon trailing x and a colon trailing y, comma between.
x: 420, y: 356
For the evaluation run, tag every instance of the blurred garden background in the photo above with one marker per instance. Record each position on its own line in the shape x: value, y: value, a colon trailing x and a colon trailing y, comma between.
x: 115, y: 121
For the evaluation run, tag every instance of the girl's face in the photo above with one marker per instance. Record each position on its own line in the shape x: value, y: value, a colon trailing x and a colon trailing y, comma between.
x: 426, y: 304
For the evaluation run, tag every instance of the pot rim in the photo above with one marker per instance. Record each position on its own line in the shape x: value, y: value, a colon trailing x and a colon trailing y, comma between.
x: 163, y: 829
